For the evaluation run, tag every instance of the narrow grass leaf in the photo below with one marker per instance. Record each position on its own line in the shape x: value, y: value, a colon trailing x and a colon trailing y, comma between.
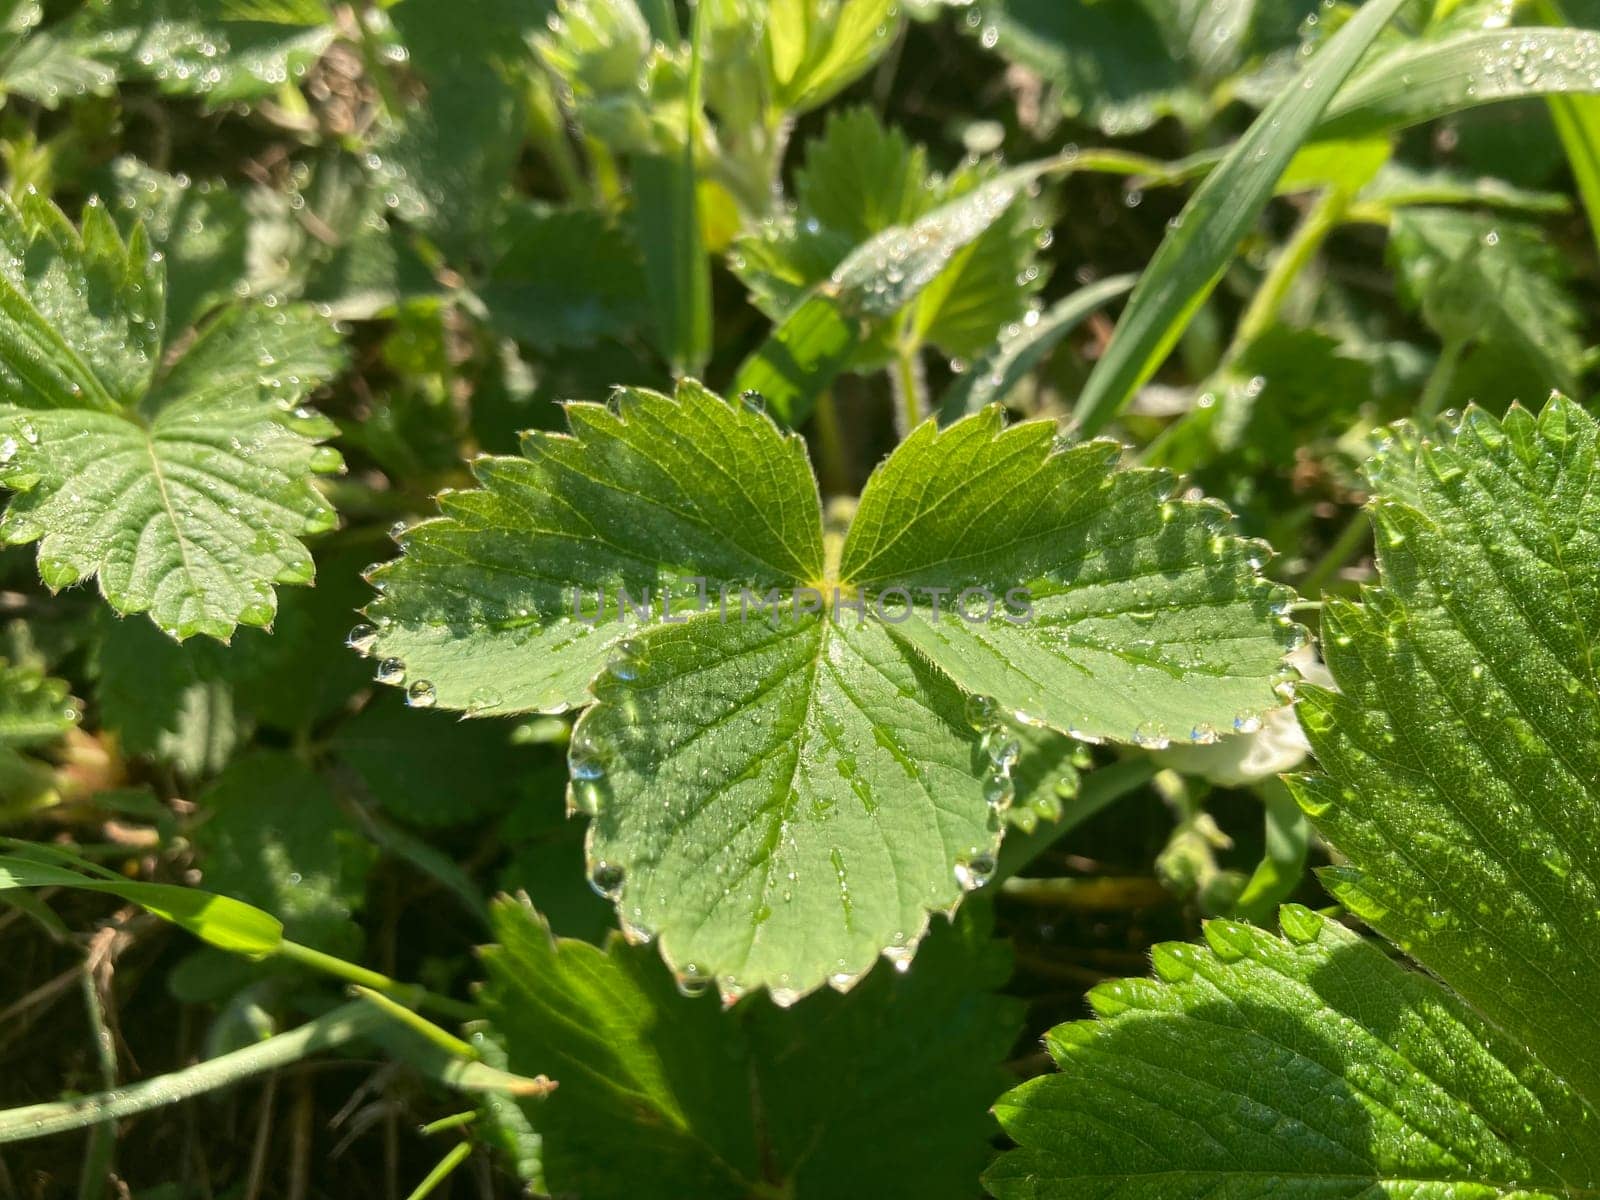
x: 1196, y: 252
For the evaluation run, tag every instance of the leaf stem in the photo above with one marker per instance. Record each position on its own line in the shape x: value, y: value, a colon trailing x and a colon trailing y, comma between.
x: 1321, y: 220
x: 910, y: 384
x: 409, y: 993
x: 1100, y: 788
x: 335, y: 1028
x: 435, y: 1177
x: 1350, y: 540
x: 1440, y: 379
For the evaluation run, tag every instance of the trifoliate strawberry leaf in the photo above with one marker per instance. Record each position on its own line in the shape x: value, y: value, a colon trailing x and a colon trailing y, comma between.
x: 881, y: 1092
x: 1462, y: 751
x: 785, y: 782
x: 184, y: 485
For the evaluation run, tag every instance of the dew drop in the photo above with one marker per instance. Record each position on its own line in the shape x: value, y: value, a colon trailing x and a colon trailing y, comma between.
x: 624, y: 660
x: 999, y: 792
x: 693, y: 979
x: 974, y: 871
x: 1003, y: 749
x: 390, y: 670
x: 1152, y: 735
x: 421, y: 694
x: 361, y: 638
x: 982, y: 712
x: 606, y: 879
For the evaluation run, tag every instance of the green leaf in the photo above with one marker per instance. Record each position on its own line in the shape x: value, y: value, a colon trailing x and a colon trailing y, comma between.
x: 275, y: 838
x: 860, y: 182
x: 677, y: 272
x: 34, y: 708
x: 1304, y: 1066
x: 1460, y: 754
x: 448, y: 163
x: 1148, y: 622
x: 481, y: 611
x: 1114, y: 67
x: 46, y: 65
x: 1195, y: 253
x: 185, y: 487
x: 881, y: 1092
x: 1433, y: 77
x: 565, y: 278
x: 430, y: 769
x: 990, y: 379
x: 218, y: 920
x: 222, y: 50
x: 870, y: 286
x: 859, y: 178
x: 781, y: 793
x: 816, y: 49
x: 1497, y: 283
x: 35, y: 711
x: 170, y: 702
x: 201, y: 228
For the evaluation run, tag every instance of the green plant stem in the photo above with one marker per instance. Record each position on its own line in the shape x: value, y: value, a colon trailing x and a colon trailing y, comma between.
x: 1351, y: 538
x: 435, y: 1177
x: 1440, y: 379
x: 1101, y: 894
x: 832, y: 472
x: 910, y: 386
x: 1100, y: 789
x: 444, y: 1124
x: 1321, y: 220
x: 100, y: 1153
x: 335, y: 1028
x: 409, y: 993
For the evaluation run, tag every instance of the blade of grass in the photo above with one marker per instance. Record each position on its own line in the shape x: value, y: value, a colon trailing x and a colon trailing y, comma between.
x: 1577, y: 121
x: 336, y: 1028
x: 994, y: 375
x: 220, y: 921
x: 1195, y: 253
x: 1424, y: 80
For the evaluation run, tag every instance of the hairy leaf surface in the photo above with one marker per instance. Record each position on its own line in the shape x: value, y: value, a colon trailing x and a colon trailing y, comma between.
x: 1460, y: 792
x: 790, y: 769
x: 185, y: 486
